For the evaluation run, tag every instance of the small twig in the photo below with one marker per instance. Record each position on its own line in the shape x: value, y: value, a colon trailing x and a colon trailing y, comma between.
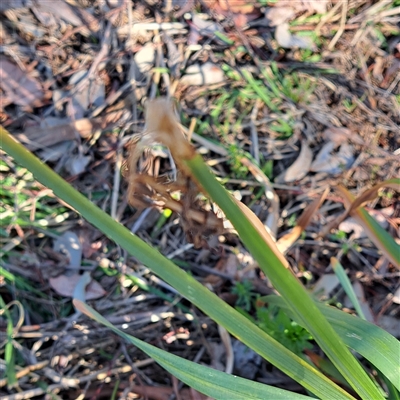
x: 179, y: 251
x: 117, y: 176
x: 327, y: 17
x: 342, y: 25
x: 151, y: 26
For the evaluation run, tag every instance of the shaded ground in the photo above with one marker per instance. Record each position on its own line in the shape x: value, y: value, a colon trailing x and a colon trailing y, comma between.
x: 309, y: 91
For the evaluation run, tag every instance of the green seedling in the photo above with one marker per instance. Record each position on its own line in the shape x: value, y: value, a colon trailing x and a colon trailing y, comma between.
x: 276, y: 323
x: 245, y: 295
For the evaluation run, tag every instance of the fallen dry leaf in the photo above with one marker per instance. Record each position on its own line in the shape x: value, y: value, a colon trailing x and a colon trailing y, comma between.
x: 287, y: 40
x: 65, y: 285
x: 51, y: 132
x: 396, y: 296
x: 319, y: 6
x: 247, y: 361
x: 77, y: 164
x: 278, y: 15
x: 325, y: 285
x: 299, y: 168
x: 338, y: 135
x: 333, y: 163
x: 350, y: 225
x: 68, y: 244
x: 200, y: 27
x: 19, y: 87
x: 92, y: 94
x: 203, y: 74
x: 144, y: 61
x: 389, y: 324
x: 233, y: 6
x: 287, y: 240
x: 7, y: 4
x: 57, y: 8
x: 241, y: 11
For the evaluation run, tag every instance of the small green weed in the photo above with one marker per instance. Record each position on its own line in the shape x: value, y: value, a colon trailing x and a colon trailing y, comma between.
x: 272, y: 320
x: 277, y: 324
x: 245, y: 295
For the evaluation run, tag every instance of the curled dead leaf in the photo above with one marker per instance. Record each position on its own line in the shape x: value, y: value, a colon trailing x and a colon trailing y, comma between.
x: 299, y: 168
x: 65, y: 286
x: 287, y: 240
x: 145, y: 190
x: 333, y: 163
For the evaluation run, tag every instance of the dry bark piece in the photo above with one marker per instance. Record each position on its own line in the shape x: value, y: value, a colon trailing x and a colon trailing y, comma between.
x: 20, y: 88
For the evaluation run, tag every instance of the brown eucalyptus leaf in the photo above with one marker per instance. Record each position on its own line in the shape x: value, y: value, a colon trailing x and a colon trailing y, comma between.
x: 299, y: 168
x: 65, y: 285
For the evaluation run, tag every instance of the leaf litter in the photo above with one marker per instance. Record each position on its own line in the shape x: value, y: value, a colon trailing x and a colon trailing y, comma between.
x: 75, y: 80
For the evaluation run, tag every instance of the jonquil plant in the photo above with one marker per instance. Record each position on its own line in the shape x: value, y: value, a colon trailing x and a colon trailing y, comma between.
x: 334, y: 331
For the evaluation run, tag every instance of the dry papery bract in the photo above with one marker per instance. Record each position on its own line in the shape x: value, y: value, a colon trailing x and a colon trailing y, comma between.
x: 181, y: 195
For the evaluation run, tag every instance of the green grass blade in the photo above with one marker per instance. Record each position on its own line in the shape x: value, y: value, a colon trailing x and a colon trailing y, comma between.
x: 261, y: 91
x: 212, y: 305
x: 206, y: 380
x: 9, y: 351
x: 286, y: 284
x: 375, y: 344
x: 346, y: 284
x: 379, y: 236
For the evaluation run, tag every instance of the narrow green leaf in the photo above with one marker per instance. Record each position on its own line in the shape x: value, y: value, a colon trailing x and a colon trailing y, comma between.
x: 208, y: 302
x: 372, y: 342
x: 9, y: 351
x: 261, y: 91
x: 379, y: 236
x: 270, y: 261
x: 346, y: 284
x: 211, y: 382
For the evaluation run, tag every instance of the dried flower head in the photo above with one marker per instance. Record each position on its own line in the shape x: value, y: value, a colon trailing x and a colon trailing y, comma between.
x: 181, y: 195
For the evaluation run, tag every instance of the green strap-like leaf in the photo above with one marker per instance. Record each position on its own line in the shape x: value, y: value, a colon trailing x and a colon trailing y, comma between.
x: 270, y: 261
x: 211, y: 382
x: 346, y: 284
x: 372, y: 342
x: 200, y: 296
